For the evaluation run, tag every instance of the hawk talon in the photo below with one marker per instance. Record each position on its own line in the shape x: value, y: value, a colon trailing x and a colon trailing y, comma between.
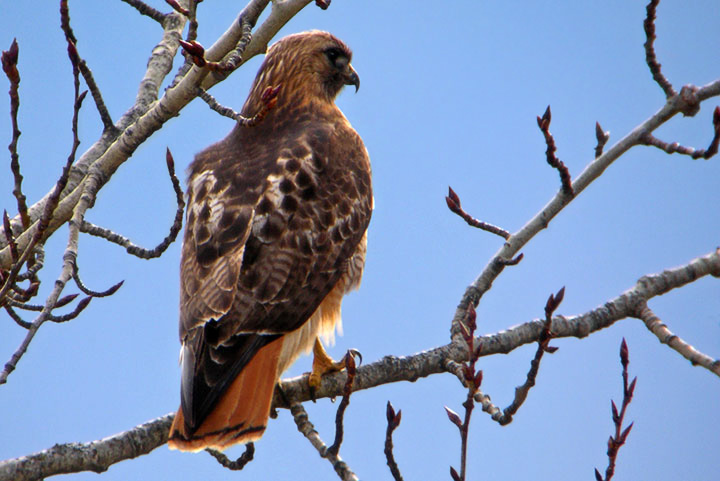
x: 354, y: 353
x: 323, y: 364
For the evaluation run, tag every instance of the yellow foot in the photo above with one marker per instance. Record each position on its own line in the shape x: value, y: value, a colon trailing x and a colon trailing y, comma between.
x: 323, y: 364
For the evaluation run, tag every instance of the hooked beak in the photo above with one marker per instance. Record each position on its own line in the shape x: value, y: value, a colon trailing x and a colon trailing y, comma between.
x: 351, y: 77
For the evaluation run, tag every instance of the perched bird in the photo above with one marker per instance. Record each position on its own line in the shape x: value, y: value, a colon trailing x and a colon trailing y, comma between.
x: 275, y: 235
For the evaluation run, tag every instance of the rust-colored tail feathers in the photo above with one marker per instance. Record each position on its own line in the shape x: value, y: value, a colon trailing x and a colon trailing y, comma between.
x: 242, y: 413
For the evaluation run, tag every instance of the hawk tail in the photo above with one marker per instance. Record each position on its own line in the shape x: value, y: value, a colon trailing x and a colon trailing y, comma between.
x: 241, y: 414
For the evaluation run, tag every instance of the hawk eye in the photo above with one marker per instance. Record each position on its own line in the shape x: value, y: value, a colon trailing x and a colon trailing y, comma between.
x: 333, y: 54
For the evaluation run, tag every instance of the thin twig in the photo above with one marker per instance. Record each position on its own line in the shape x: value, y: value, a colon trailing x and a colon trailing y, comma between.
x: 239, y: 463
x: 133, y: 249
x: 48, y: 209
x: 16, y: 317
x: 453, y: 203
x: 71, y: 315
x: 650, y: 56
x: 79, y: 63
x: 145, y: 9
x: 9, y: 65
x: 616, y: 442
x: 34, y: 264
x: 9, y: 237
x: 340, y: 414
x: 308, y: 430
x: 193, y: 23
x: 471, y: 379
x: 675, y: 147
x: 38, y: 308
x: 178, y: 8
x: 43, y: 224
x: 550, y: 153
x: 521, y: 392
x: 510, y: 262
x: 393, y: 421
x: 108, y: 292
x: 269, y: 98
x: 17, y: 293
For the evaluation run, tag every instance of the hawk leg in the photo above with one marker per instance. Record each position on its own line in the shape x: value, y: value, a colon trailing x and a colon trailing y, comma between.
x: 323, y: 364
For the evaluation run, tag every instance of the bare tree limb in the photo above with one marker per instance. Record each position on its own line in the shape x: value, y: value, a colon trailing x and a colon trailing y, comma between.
x: 308, y: 430
x: 592, y: 171
x: 391, y: 369
x: 96, y: 456
x: 16, y: 317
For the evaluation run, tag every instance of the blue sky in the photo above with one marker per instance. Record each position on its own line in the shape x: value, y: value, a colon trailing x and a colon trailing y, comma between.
x: 449, y: 96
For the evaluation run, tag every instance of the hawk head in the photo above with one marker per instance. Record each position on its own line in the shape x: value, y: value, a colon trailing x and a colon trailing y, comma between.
x: 308, y: 66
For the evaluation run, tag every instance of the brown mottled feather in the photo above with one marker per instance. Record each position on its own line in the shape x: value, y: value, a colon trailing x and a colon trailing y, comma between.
x: 274, y: 237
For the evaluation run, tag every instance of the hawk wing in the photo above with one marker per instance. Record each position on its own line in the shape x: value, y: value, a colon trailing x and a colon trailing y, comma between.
x: 270, y: 230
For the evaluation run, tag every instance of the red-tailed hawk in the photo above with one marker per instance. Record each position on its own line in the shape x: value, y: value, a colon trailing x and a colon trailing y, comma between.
x: 274, y: 237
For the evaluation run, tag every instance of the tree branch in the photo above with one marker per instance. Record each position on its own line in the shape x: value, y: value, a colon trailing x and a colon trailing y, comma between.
x: 393, y: 421
x: 84, y: 69
x: 147, y: 115
x: 666, y: 336
x: 9, y: 66
x: 650, y: 57
x: 145, y: 9
x: 683, y: 102
x: 616, y: 442
x: 96, y: 456
x: 308, y: 430
x: 387, y: 370
x: 239, y: 463
x: 129, y: 246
